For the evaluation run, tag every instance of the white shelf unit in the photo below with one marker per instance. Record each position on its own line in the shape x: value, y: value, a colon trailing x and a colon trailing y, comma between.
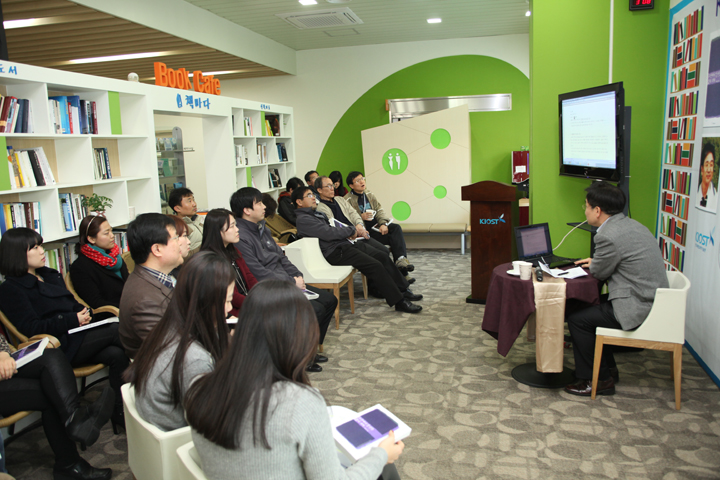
x: 256, y: 170
x: 70, y: 156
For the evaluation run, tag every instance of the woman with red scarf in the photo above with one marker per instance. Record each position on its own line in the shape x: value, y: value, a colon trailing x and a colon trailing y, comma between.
x: 99, y: 273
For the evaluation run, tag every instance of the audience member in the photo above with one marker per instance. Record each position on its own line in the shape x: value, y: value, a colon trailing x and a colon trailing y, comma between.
x: 627, y: 257
x: 182, y: 202
x: 220, y: 236
x: 187, y: 342
x: 99, y: 273
x: 183, y: 232
x: 286, y: 207
x: 47, y: 384
x: 257, y: 409
x: 310, y: 178
x: 340, y: 247
x: 377, y: 222
x: 336, y: 177
x: 282, y: 231
x: 155, y: 248
x: 36, y: 301
x: 267, y: 261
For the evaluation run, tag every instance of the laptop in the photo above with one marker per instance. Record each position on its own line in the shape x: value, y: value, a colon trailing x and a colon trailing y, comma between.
x: 533, y: 245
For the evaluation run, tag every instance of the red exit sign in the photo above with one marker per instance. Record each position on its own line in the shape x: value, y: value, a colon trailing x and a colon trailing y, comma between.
x: 642, y: 4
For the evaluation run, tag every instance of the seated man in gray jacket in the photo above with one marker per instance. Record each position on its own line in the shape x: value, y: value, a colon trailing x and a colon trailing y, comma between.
x: 340, y: 246
x: 628, y: 258
x: 265, y: 258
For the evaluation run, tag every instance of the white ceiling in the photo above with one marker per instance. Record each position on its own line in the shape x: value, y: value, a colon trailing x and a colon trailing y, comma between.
x: 384, y: 21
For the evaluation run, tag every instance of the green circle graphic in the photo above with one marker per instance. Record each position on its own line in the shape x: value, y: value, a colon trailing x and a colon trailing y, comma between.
x: 394, y: 161
x: 440, y: 138
x: 401, y: 210
x: 440, y: 191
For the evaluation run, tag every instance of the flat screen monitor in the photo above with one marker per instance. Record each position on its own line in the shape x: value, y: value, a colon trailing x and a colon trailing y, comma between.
x: 591, y: 132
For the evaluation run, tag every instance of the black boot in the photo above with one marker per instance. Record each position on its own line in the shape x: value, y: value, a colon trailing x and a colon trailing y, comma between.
x: 81, y: 470
x: 85, y: 423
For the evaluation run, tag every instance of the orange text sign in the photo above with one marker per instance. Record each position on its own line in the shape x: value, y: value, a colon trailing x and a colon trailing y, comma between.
x: 180, y: 78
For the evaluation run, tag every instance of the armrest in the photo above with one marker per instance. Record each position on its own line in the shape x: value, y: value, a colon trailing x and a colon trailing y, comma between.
x: 53, y: 342
x: 107, y: 309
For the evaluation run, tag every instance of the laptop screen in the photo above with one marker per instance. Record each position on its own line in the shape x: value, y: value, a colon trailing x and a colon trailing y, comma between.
x: 533, y: 240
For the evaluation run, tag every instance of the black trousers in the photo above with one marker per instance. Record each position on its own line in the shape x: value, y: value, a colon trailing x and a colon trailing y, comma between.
x: 394, y: 238
x: 582, y: 324
x: 47, y: 384
x: 324, y: 307
x: 375, y: 264
x: 102, y: 345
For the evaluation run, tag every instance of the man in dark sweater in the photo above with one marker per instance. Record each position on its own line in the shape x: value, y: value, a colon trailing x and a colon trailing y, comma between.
x: 340, y: 246
x: 265, y: 258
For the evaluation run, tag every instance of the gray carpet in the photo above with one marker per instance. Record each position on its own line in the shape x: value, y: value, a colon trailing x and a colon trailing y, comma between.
x: 443, y: 376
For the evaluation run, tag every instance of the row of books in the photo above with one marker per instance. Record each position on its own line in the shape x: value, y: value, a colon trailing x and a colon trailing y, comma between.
x: 673, y: 228
x: 282, y: 152
x: 166, y: 188
x: 61, y: 258
x: 73, y: 210
x: 672, y: 254
x: 241, y: 156
x: 29, y: 168
x: 101, y: 165
x: 247, y: 127
x: 25, y: 214
x: 679, y: 182
x: 16, y: 115
x: 274, y: 178
x: 71, y: 115
x: 272, y: 125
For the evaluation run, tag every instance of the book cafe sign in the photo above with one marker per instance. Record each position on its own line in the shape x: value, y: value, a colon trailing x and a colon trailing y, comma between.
x: 180, y: 78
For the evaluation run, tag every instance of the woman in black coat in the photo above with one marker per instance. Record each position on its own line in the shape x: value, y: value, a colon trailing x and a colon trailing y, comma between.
x: 99, y: 272
x: 35, y: 300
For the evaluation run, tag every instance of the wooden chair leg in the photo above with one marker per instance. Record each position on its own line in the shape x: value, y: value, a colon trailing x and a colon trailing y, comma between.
x: 351, y: 294
x: 677, y: 370
x: 672, y: 365
x: 364, y: 282
x: 599, y: 340
x: 336, y: 291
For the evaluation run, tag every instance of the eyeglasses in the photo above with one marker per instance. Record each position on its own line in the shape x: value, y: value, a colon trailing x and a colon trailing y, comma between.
x: 309, y: 195
x: 330, y: 185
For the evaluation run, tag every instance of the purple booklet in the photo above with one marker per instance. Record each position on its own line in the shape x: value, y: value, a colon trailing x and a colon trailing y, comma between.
x: 366, y: 428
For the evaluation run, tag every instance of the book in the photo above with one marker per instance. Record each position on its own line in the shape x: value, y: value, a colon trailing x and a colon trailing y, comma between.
x: 94, y: 324
x: 26, y: 355
x: 63, y: 117
x: 115, y: 117
x: 74, y: 113
x: 355, y: 436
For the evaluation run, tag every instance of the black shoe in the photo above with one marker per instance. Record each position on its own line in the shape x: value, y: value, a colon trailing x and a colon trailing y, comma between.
x: 85, y: 424
x: 413, y: 297
x: 118, y: 420
x: 409, y: 279
x: 315, y: 368
x: 410, y: 267
x: 406, y: 306
x: 320, y: 358
x: 81, y: 470
x: 583, y: 388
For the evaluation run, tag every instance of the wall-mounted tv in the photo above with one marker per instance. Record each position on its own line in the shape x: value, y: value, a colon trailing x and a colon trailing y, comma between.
x: 591, y: 132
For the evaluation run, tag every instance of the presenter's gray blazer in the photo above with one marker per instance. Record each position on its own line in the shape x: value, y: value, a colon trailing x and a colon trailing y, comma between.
x: 628, y: 257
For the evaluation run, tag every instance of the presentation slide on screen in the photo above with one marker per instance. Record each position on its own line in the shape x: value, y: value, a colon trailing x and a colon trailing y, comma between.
x: 588, y: 129
x: 533, y: 242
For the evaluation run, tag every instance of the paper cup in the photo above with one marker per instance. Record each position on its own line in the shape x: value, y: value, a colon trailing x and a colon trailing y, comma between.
x: 372, y: 213
x: 516, y: 265
x: 525, y: 271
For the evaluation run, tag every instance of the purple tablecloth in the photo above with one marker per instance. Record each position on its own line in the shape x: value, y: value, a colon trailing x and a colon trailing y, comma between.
x: 510, y: 301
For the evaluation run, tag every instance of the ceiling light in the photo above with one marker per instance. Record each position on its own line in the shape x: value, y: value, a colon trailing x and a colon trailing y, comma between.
x: 114, y: 58
x: 223, y: 72
x: 527, y: 14
x: 308, y: 2
x: 434, y: 20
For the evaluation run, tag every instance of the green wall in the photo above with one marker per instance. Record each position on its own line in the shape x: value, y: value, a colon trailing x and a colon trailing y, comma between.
x: 569, y: 50
x: 494, y: 134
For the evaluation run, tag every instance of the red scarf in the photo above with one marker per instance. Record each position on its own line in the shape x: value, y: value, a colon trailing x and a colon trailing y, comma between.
x: 107, y: 260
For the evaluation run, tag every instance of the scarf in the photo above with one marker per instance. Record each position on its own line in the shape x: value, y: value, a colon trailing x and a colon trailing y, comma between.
x: 112, y: 261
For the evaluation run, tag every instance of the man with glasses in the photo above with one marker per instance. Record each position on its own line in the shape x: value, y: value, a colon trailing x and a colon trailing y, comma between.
x: 155, y: 249
x: 377, y: 222
x: 344, y: 244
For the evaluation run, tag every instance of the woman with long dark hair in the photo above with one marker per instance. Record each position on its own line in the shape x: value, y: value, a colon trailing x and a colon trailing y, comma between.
x: 257, y: 411
x: 99, y: 273
x: 35, y: 300
x: 220, y: 234
x: 187, y: 342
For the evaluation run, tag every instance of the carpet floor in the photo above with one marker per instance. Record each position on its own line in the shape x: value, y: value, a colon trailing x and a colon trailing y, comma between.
x: 441, y: 374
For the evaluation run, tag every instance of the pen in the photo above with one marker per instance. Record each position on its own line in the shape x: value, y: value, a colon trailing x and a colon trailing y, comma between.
x: 563, y: 273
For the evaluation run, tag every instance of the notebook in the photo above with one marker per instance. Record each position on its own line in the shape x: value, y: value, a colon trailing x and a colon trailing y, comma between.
x: 533, y: 245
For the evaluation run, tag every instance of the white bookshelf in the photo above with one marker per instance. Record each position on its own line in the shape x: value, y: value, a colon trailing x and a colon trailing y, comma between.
x: 132, y: 154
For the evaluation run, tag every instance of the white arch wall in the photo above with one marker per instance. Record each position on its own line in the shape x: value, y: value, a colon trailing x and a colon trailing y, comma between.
x: 330, y: 80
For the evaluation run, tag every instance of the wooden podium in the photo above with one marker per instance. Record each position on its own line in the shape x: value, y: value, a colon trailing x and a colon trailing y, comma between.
x: 490, y: 232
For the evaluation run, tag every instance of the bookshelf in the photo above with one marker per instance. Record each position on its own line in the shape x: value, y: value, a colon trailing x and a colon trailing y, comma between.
x: 125, y: 128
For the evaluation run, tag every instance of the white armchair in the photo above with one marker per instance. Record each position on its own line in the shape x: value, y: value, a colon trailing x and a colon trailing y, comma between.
x: 190, y: 465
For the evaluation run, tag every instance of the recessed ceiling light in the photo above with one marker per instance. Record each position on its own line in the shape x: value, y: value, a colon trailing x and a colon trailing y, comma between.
x: 527, y: 14
x: 115, y: 58
x: 434, y: 20
x: 338, y: 1
x: 308, y: 2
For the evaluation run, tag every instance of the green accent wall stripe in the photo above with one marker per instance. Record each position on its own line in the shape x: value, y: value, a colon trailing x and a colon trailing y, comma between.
x: 494, y: 134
